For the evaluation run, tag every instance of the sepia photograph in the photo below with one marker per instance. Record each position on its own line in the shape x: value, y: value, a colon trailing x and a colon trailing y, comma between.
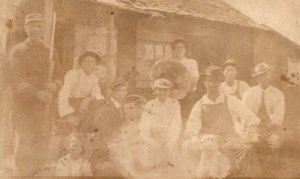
x: 149, y: 89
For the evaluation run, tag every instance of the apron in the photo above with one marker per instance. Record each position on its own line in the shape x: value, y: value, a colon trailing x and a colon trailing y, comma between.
x: 225, y: 160
x: 217, y: 120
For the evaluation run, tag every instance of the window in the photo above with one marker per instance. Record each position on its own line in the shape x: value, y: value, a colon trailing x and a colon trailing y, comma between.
x: 152, y: 51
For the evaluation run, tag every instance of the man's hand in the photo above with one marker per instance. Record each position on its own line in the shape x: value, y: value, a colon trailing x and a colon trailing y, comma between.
x: 44, y: 96
x: 51, y: 87
x: 73, y: 120
x: 274, y: 141
x: 85, y: 104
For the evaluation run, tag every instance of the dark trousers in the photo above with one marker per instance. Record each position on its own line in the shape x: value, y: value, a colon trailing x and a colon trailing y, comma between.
x: 32, y: 147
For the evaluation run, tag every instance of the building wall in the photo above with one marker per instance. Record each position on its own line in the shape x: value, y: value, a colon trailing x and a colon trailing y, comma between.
x: 209, y: 42
x: 215, y: 42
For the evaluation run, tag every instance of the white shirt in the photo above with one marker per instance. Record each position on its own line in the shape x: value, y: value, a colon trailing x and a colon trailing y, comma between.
x: 274, y: 101
x: 241, y: 86
x: 242, y: 117
x: 161, y: 121
x: 192, y: 67
x: 77, y: 84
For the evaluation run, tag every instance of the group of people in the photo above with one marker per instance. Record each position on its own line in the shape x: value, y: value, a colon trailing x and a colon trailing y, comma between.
x: 232, y: 130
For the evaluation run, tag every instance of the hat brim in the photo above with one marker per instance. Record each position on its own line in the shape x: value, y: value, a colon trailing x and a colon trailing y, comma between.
x: 203, y: 75
x: 229, y: 64
x: 34, y: 20
x: 97, y: 57
x: 258, y: 74
x: 162, y: 87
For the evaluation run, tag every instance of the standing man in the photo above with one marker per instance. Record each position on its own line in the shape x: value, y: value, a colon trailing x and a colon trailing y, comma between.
x: 180, y: 48
x: 268, y: 103
x: 221, y: 125
x: 29, y: 73
x: 232, y: 86
x: 109, y: 119
x: 160, y: 127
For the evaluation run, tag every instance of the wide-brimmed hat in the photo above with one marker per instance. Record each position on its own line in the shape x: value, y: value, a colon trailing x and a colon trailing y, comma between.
x: 230, y: 62
x: 89, y: 54
x: 213, y: 72
x: 162, y: 83
x: 261, y: 68
x: 33, y: 17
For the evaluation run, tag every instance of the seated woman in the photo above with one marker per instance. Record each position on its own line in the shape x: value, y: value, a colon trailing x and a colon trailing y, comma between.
x: 74, y: 162
x: 80, y: 90
x: 232, y: 86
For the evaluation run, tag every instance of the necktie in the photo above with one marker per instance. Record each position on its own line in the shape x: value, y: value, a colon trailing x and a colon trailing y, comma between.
x: 262, y: 112
x: 120, y: 109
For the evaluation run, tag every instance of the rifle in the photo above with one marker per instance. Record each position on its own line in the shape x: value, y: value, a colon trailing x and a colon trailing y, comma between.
x: 47, y: 117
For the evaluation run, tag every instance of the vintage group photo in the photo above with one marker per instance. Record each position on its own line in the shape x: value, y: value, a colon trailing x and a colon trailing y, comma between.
x: 149, y: 88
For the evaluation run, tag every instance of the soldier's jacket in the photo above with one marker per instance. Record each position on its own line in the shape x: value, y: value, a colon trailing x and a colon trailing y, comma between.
x: 29, y: 70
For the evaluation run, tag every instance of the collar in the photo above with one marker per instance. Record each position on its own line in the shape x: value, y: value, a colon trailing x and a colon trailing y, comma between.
x: 234, y: 84
x: 116, y: 103
x: 266, y: 90
x: 82, y: 72
x: 167, y: 101
x: 220, y: 99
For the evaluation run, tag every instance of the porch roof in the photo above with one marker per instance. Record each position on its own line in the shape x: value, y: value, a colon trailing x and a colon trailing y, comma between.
x: 214, y: 10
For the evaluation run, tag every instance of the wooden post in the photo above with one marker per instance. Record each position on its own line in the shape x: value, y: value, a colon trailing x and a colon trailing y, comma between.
x: 48, y: 18
x: 111, y: 47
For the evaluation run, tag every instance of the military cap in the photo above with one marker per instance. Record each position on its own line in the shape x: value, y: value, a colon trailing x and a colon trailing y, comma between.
x: 162, y: 83
x: 33, y: 17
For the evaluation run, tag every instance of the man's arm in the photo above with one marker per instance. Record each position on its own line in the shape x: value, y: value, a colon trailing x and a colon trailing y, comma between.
x: 277, y: 116
x: 145, y: 124
x: 247, y: 117
x: 195, y: 74
x: 19, y: 82
x: 96, y: 91
x: 64, y: 106
x: 243, y: 112
x: 175, y: 128
x: 194, y: 122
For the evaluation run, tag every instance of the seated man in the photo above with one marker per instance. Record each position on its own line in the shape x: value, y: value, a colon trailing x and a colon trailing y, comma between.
x: 80, y: 92
x: 109, y: 120
x: 268, y: 103
x: 219, y: 131
x: 160, y: 128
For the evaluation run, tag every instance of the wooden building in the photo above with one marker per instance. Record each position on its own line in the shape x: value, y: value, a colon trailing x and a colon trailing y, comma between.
x: 132, y: 34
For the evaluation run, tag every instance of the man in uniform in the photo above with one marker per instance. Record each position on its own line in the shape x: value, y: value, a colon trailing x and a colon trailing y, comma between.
x: 29, y: 75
